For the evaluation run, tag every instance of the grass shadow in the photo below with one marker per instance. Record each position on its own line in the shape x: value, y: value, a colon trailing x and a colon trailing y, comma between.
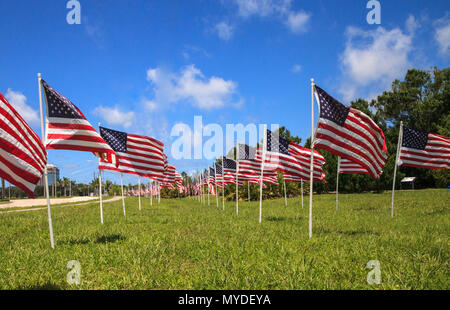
x: 43, y: 287
x: 276, y: 218
x: 349, y: 232
x: 109, y: 238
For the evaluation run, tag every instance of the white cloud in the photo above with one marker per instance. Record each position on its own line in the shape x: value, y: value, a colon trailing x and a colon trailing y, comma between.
x: 374, y: 57
x: 19, y: 102
x: 149, y: 104
x: 192, y: 86
x: 442, y: 35
x: 115, y: 117
x: 297, y: 22
x: 224, y: 30
x: 412, y: 24
x: 262, y: 7
x: 296, y: 68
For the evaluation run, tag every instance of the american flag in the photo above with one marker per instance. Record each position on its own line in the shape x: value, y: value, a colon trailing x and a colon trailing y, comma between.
x: 68, y: 129
x: 350, y: 134
x: 136, y: 154
x: 248, y: 166
x: 347, y: 166
x: 229, y: 170
x: 424, y: 150
x: 218, y: 175
x: 22, y: 154
x: 290, y: 158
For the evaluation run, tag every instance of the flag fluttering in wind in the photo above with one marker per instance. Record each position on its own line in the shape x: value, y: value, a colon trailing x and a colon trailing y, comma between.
x: 350, y: 134
x: 68, y: 128
x: 22, y: 154
x: 136, y: 154
x: 424, y: 150
x: 347, y: 166
x: 290, y: 158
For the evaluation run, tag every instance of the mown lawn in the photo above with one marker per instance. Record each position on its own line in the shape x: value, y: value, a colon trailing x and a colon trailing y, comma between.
x: 181, y: 244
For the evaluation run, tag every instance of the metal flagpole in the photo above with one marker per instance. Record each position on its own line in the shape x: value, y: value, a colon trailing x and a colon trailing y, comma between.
x: 237, y: 178
x: 312, y: 159
x: 215, y: 184
x: 123, y: 199
x: 151, y: 193
x: 262, y: 173
x: 399, y: 145
x: 139, y: 189
x: 301, y: 188
x: 100, y: 186
x: 337, y: 181
x: 248, y: 190
x: 47, y: 194
x: 223, y: 186
x: 285, y: 198
x: 208, y: 185
x: 159, y: 193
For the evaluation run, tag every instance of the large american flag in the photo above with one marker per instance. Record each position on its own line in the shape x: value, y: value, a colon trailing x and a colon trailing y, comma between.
x: 350, y: 134
x: 424, y: 150
x: 290, y: 158
x: 22, y: 154
x: 136, y: 154
x: 68, y: 129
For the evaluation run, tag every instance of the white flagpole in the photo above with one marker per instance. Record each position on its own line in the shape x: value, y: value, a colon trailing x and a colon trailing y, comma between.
x: 47, y: 194
x: 237, y: 178
x: 139, y: 189
x: 301, y: 188
x: 223, y: 185
x: 312, y: 159
x: 337, y: 181
x: 123, y: 199
x: 262, y: 173
x: 151, y: 193
x: 208, y: 186
x: 159, y: 193
x: 399, y: 145
x: 248, y: 190
x: 100, y: 187
x: 215, y: 184
x: 285, y: 197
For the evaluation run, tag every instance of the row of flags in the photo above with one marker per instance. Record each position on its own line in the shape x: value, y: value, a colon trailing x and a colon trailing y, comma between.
x: 343, y: 131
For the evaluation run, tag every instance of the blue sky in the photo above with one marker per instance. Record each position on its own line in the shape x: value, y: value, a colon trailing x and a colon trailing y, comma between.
x: 143, y: 66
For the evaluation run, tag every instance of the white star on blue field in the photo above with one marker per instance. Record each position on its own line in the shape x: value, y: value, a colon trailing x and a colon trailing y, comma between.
x: 143, y: 66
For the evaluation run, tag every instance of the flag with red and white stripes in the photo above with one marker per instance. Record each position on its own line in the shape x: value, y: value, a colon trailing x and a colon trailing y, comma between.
x: 68, y: 129
x: 350, y: 134
x: 22, y: 154
x: 424, y: 150
x: 136, y: 154
x: 348, y: 166
x: 290, y: 158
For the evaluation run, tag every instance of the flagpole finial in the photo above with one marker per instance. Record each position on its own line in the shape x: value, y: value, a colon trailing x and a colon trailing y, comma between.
x: 312, y: 81
x: 39, y: 75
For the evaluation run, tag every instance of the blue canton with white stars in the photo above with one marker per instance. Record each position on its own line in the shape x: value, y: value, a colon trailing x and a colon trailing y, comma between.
x: 414, y: 139
x: 211, y: 172
x: 331, y: 109
x: 58, y: 105
x: 229, y: 164
x: 218, y: 168
x: 246, y: 152
x: 117, y: 140
x: 277, y: 144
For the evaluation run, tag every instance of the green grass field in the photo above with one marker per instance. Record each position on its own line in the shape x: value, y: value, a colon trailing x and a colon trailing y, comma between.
x: 181, y: 244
